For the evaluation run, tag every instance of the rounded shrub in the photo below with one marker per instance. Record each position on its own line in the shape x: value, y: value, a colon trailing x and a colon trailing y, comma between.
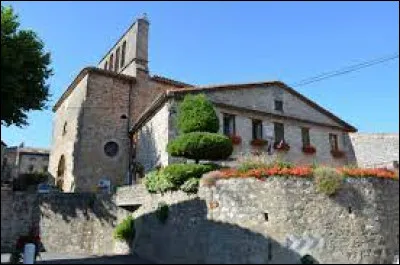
x: 201, y: 146
x: 196, y: 114
x: 125, y: 231
x: 327, y: 180
x: 177, y: 174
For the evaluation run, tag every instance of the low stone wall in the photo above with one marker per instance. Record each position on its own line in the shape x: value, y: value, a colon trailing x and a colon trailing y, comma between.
x: 80, y: 223
x: 275, y: 221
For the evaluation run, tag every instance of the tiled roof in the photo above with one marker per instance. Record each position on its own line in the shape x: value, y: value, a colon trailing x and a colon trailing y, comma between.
x: 168, y: 81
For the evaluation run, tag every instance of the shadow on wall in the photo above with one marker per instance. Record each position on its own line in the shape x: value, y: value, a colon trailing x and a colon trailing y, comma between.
x: 188, y: 236
x: 149, y: 148
x: 71, y: 206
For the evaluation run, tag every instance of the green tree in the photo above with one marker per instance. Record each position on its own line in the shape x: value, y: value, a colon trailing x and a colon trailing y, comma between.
x: 198, y: 124
x: 24, y: 71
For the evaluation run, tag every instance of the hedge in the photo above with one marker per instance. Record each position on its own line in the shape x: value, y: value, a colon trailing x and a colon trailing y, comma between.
x: 201, y: 146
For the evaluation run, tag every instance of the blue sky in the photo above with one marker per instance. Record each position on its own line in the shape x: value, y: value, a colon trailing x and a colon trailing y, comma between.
x: 228, y: 42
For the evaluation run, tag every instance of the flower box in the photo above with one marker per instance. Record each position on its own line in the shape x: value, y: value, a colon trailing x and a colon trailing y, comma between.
x: 236, y: 139
x: 337, y: 153
x: 281, y: 146
x: 309, y: 149
x: 258, y: 142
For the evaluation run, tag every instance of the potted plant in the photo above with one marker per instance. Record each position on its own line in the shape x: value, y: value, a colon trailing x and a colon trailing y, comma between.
x: 337, y: 153
x: 309, y: 149
x: 258, y: 142
x: 281, y: 146
x: 236, y: 139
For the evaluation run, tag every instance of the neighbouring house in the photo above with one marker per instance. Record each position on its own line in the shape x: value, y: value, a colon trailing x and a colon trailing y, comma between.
x: 116, y: 116
x: 22, y: 160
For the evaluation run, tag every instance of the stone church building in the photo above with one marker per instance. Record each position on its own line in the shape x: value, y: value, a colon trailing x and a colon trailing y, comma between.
x: 117, y: 115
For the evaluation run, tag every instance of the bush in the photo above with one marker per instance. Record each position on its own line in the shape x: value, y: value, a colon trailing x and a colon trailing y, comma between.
x: 158, y: 182
x: 201, y: 146
x: 179, y: 173
x: 196, y: 114
x: 125, y: 231
x: 327, y: 180
x: 246, y: 166
x: 191, y: 185
x: 162, y: 212
x: 30, y: 179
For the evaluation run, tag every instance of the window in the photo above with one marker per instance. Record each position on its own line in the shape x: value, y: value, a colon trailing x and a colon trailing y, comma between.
x: 257, y: 129
x: 279, y: 132
x: 32, y: 159
x: 30, y: 168
x: 64, y: 129
x: 333, y: 141
x: 117, y: 60
x: 305, y: 136
x: 106, y: 66
x: 112, y: 62
x: 111, y: 149
x: 229, y: 124
x: 123, y: 54
x: 279, y: 105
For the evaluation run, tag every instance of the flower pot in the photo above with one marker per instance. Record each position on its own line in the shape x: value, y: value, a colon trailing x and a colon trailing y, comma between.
x: 258, y: 142
x: 236, y: 139
x: 281, y: 146
x: 309, y: 149
x: 337, y: 153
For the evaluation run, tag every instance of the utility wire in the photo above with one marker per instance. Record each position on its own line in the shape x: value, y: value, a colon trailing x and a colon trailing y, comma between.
x: 345, y: 70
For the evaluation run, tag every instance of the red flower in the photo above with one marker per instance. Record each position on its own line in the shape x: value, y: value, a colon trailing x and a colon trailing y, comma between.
x: 236, y: 139
x: 309, y: 149
x: 337, y: 153
x: 258, y: 142
x: 281, y: 146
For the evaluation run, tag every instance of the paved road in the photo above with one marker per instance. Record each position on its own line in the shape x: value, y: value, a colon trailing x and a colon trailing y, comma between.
x: 48, y: 258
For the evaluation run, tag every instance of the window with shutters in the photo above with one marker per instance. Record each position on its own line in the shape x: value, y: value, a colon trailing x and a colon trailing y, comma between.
x: 229, y: 124
x: 305, y: 136
x: 257, y: 129
x: 279, y: 132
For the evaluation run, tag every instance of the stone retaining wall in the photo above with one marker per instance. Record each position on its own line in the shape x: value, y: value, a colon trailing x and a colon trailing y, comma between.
x: 276, y: 221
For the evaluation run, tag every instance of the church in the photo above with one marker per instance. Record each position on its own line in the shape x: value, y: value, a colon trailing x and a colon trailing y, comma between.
x: 116, y: 117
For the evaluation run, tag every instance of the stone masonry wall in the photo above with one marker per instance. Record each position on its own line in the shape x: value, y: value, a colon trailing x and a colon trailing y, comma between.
x: 68, y: 222
x: 63, y: 144
x: 276, y: 221
x: 152, y: 140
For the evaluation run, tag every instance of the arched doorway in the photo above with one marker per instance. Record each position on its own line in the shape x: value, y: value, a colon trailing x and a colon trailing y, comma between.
x: 60, y: 173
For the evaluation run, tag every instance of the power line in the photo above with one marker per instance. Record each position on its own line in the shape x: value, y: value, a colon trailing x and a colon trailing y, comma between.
x: 345, y: 70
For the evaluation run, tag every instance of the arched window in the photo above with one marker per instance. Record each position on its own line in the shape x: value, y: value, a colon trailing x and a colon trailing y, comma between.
x: 106, y: 66
x: 60, y: 173
x: 117, y: 60
x: 112, y: 62
x: 123, y: 54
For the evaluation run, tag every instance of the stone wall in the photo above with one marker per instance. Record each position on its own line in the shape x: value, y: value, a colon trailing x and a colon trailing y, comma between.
x: 68, y: 222
x: 152, y: 140
x: 375, y: 149
x: 66, y: 122
x: 275, y: 221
